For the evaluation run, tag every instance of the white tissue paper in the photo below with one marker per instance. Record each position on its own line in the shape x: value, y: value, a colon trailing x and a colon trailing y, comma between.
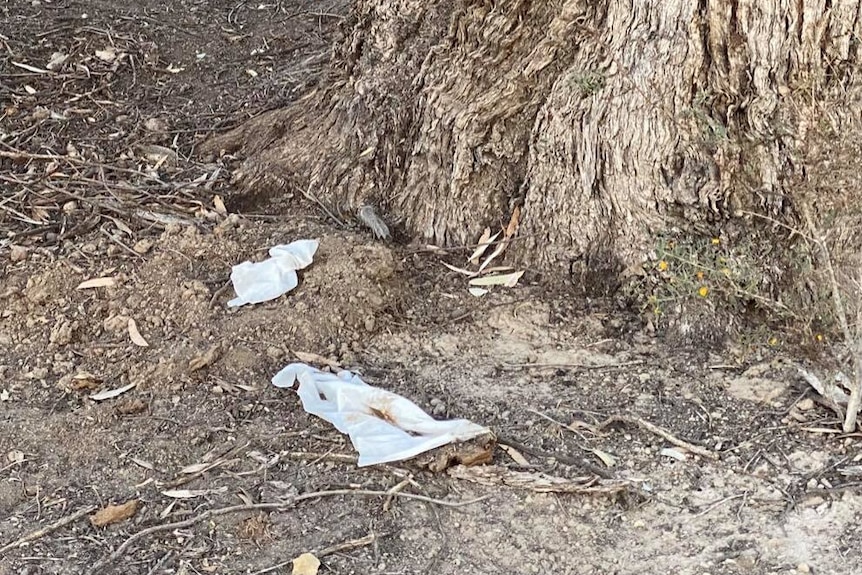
x: 273, y: 277
x: 382, y: 425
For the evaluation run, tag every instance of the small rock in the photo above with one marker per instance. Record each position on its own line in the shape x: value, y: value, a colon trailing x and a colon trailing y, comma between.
x: 116, y: 324
x: 805, y: 404
x: 62, y: 332
x: 797, y: 416
x: 156, y: 125
x: 70, y: 206
x: 803, y: 568
x: 274, y: 352
x: 812, y: 501
x: 143, y: 246
x: 18, y: 253
x: 37, y: 373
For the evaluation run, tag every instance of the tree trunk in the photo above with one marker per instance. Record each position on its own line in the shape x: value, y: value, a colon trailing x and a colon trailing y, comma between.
x: 611, y: 123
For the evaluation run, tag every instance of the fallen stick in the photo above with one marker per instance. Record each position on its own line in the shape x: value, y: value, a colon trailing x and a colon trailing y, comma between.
x: 663, y: 433
x: 119, y: 551
x: 48, y: 529
x: 571, y: 365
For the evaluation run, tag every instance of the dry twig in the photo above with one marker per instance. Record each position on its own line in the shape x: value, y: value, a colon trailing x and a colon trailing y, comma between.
x: 572, y: 365
x: 48, y: 529
x: 663, y: 433
x: 126, y: 545
x: 853, y: 343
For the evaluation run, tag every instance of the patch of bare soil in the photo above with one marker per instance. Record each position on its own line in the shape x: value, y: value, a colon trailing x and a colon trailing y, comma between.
x: 204, y: 467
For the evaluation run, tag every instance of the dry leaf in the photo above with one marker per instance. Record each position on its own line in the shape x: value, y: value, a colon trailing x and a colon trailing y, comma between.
x: 507, y: 280
x: 206, y: 359
x: 512, y: 228
x: 198, y: 467
x: 29, y: 68
x: 219, y: 205
x: 484, y: 241
x: 459, y: 270
x: 136, y: 336
x: 114, y: 513
x: 143, y: 463
x: 97, y: 283
x: 673, y: 453
x: 498, y: 269
x: 158, y: 155
x: 57, y: 61
x: 167, y: 510
x: 515, y: 455
x: 108, y: 394
x: 608, y: 459
x: 109, y: 54
x: 306, y: 564
x: 192, y: 493
x: 16, y: 456
x: 501, y: 247
x: 477, y: 292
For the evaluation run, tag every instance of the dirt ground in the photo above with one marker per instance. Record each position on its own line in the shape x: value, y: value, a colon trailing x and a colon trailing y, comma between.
x: 102, y: 104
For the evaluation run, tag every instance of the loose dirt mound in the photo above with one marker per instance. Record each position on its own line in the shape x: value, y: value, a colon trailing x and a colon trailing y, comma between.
x: 99, y: 180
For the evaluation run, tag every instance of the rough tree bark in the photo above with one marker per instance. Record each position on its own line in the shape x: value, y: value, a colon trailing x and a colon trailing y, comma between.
x: 608, y: 121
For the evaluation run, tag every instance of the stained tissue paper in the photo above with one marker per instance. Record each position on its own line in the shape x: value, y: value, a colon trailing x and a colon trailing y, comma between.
x: 256, y: 282
x: 382, y: 425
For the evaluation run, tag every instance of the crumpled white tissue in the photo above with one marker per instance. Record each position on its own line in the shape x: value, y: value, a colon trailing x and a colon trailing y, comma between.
x: 256, y: 282
x: 382, y: 425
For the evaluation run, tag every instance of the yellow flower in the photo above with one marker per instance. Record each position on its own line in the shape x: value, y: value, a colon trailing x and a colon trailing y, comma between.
x: 703, y: 291
x: 819, y: 337
x: 662, y: 266
x: 725, y: 271
x: 773, y: 341
x: 715, y: 241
